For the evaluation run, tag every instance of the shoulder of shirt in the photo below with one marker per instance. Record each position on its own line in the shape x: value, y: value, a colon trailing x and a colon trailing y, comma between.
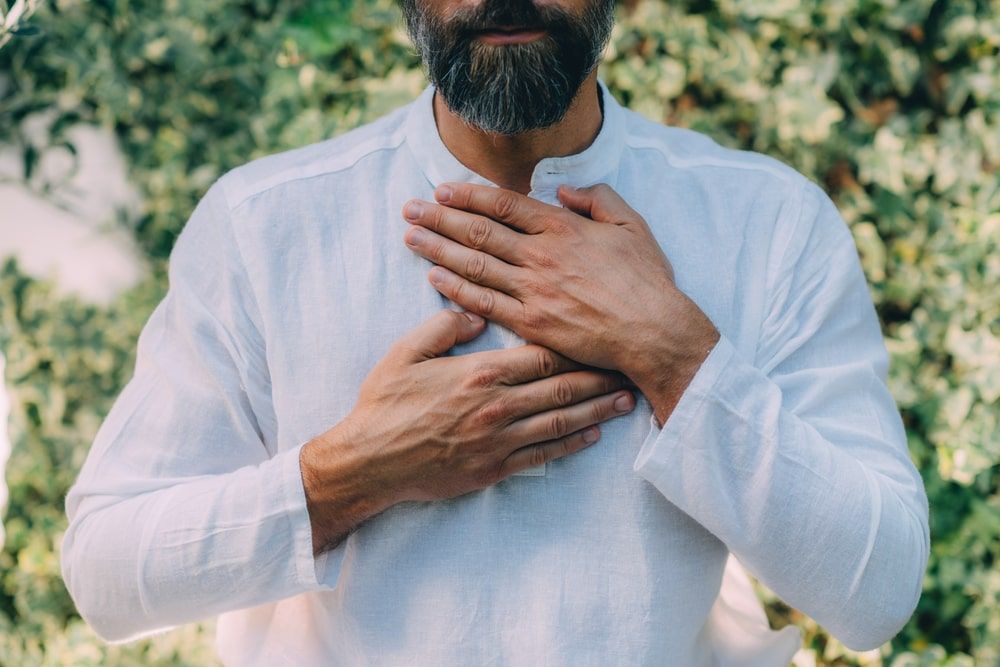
x: 324, y: 157
x: 682, y: 148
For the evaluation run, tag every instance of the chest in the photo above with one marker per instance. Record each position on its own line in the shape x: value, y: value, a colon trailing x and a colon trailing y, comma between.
x: 338, y: 286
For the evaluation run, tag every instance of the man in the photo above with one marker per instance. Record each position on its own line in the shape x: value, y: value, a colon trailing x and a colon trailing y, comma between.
x: 318, y: 448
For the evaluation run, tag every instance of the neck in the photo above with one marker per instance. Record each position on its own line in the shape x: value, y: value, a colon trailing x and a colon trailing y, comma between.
x: 509, y: 160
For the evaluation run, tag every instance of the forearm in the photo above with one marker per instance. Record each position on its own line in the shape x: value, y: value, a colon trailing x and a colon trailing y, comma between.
x: 836, y: 530
x: 191, y: 550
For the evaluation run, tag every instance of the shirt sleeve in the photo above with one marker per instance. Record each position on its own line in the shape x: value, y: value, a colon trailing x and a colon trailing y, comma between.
x: 797, y: 458
x: 182, y: 511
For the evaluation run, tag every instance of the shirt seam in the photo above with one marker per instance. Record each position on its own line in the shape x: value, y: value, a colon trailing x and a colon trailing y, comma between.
x: 370, y: 146
x: 639, y: 142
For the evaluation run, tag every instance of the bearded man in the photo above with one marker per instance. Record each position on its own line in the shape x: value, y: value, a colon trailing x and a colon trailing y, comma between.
x: 361, y: 427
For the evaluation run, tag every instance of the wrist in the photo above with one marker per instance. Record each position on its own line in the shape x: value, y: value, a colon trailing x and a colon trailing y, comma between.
x: 675, y: 346
x: 663, y: 391
x: 340, y: 486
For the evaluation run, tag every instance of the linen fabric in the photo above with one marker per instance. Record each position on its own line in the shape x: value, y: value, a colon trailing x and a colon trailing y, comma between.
x: 291, y: 280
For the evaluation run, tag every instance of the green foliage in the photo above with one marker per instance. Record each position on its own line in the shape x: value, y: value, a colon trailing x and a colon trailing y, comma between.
x: 67, y: 361
x: 893, y: 105
x: 14, y: 17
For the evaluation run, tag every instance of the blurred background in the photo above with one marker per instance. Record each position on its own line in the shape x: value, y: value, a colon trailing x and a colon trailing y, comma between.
x: 116, y: 116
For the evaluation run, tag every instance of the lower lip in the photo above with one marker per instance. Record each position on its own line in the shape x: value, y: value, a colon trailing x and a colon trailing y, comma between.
x: 521, y: 37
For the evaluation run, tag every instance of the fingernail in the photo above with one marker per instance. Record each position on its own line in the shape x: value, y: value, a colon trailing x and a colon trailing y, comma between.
x: 443, y: 193
x: 413, y: 209
x: 590, y: 435
x: 436, y: 275
x: 472, y: 317
x: 623, y: 403
x: 415, y: 236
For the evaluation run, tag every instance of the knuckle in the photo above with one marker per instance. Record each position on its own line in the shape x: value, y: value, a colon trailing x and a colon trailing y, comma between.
x: 545, y: 290
x: 526, y: 285
x: 537, y: 456
x: 475, y: 266
x: 493, y: 413
x: 487, y: 302
x: 504, y: 206
x: 541, y: 257
x: 597, y: 411
x: 562, y: 391
x: 541, y: 289
x: 436, y: 252
x: 532, y: 321
x: 560, y: 226
x: 484, y: 375
x: 435, y: 219
x: 557, y: 426
x: 479, y: 233
x: 546, y: 363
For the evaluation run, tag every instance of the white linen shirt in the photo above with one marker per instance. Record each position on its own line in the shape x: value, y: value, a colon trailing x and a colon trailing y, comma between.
x: 291, y: 280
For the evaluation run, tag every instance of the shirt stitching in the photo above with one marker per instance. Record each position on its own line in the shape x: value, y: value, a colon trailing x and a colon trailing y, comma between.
x: 310, y: 170
x: 660, y: 146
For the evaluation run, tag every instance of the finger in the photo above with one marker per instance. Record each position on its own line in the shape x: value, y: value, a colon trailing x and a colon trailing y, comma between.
x: 479, y: 267
x: 560, y: 391
x: 511, y: 208
x: 555, y: 424
x: 536, y: 455
x: 438, y: 334
x: 598, y: 202
x: 473, y: 231
x: 485, y: 301
x: 525, y: 363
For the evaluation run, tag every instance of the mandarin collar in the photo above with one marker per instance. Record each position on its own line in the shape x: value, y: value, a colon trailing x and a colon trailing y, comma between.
x: 597, y: 163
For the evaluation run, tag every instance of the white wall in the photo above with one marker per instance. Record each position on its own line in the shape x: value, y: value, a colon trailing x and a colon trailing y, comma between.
x: 67, y: 235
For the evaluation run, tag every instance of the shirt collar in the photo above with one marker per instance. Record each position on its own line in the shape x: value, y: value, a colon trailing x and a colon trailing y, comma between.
x: 595, y: 164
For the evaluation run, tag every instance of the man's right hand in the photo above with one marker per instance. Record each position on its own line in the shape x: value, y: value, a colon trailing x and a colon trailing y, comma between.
x: 430, y: 427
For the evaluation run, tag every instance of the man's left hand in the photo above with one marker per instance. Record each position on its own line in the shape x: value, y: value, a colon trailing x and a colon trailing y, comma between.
x: 589, y: 280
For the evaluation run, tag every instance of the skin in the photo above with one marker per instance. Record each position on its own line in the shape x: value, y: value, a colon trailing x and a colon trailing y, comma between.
x: 588, y: 280
x: 427, y: 426
x: 508, y: 160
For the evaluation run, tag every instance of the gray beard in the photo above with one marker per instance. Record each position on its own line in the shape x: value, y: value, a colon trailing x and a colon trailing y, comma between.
x: 514, y: 88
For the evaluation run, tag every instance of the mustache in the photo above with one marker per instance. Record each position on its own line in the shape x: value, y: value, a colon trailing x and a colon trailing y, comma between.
x: 493, y: 13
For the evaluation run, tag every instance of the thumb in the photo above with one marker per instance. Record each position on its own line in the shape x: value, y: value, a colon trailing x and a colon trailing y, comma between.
x: 438, y: 334
x: 597, y: 202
